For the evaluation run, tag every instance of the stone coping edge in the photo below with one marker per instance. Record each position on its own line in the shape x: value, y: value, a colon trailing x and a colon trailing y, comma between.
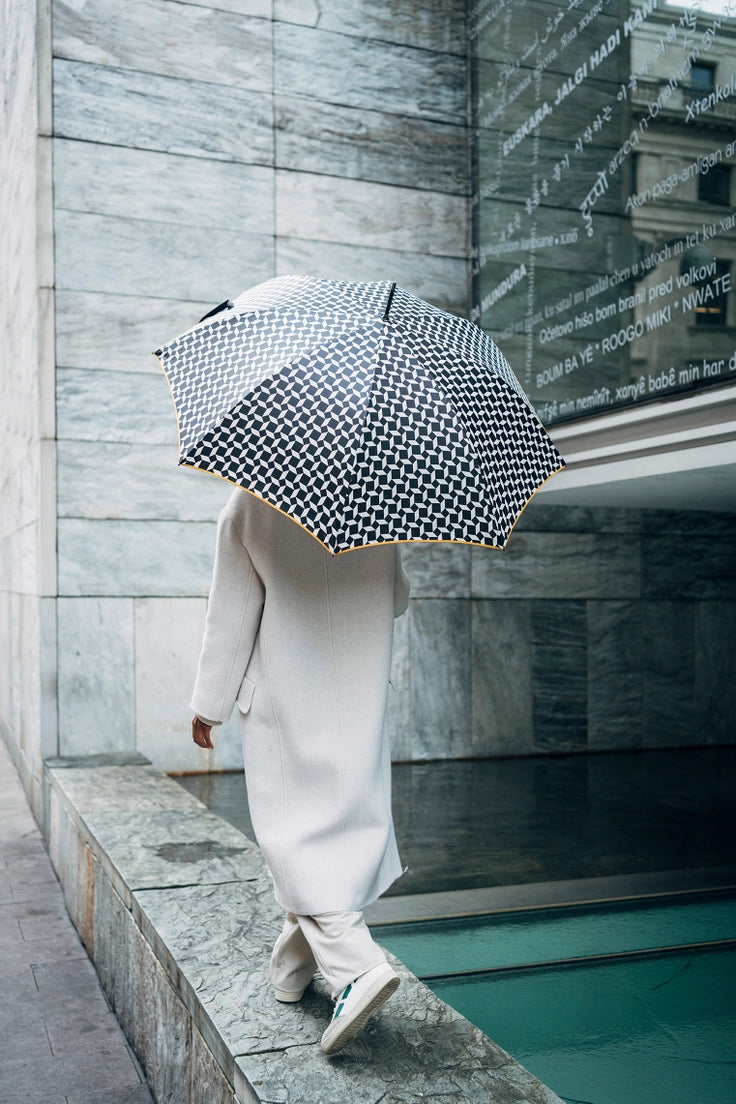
x: 176, y: 910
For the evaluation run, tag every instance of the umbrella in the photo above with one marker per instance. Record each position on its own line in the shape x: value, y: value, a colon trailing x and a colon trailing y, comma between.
x: 361, y: 411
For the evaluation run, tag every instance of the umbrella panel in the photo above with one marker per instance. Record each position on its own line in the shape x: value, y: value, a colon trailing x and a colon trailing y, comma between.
x: 294, y: 440
x: 212, y: 367
x: 417, y: 476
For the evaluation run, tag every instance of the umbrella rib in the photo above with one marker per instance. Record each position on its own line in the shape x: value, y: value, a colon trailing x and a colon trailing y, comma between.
x: 390, y: 299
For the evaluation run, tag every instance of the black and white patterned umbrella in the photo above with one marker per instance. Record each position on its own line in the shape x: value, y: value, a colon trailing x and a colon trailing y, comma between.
x: 361, y: 411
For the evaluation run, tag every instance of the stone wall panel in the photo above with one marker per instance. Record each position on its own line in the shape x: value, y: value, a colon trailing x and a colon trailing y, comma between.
x: 113, y: 333
x: 441, y: 677
x: 135, y: 558
x: 501, y: 716
x: 134, y: 257
x: 427, y: 24
x: 145, y: 111
x: 105, y: 406
x: 96, y: 676
x: 387, y: 147
x: 217, y: 46
x: 162, y: 187
x: 360, y: 72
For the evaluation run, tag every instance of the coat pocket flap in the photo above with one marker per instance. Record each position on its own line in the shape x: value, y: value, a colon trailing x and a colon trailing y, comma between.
x: 245, y: 695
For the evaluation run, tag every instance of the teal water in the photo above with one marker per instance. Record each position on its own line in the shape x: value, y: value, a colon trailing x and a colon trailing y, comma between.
x: 547, y: 935
x: 656, y: 1028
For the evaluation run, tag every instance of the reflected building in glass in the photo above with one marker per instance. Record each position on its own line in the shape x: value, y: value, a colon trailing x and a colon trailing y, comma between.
x: 605, y: 140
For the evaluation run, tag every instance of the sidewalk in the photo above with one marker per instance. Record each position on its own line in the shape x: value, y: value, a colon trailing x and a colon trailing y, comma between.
x: 59, y: 1041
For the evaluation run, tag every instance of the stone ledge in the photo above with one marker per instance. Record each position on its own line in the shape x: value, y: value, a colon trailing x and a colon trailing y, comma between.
x: 176, y: 910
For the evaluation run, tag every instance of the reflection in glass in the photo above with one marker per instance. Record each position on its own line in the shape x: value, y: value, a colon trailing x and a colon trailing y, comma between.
x: 604, y: 220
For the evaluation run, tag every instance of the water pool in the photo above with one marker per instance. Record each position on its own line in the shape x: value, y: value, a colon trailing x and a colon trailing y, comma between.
x: 630, y: 1003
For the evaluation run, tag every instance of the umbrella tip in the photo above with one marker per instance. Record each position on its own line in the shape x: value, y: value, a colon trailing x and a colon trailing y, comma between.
x: 388, y: 304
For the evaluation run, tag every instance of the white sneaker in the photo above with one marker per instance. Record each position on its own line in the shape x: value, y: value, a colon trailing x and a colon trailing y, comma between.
x: 292, y: 962
x: 357, y: 1002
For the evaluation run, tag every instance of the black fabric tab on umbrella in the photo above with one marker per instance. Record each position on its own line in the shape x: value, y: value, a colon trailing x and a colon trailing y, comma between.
x: 227, y: 305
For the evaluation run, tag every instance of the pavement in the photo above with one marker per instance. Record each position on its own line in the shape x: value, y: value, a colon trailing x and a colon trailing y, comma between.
x: 59, y: 1041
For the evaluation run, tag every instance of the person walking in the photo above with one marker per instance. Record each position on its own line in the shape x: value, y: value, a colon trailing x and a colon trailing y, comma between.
x: 301, y: 641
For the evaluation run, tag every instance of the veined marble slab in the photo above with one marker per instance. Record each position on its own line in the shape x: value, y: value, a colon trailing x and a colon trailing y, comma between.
x: 371, y: 145
x: 137, y: 558
x: 363, y: 213
x: 691, y: 566
x: 428, y: 24
x: 442, y: 281
x: 559, y: 685
x: 96, y: 405
x: 668, y: 673
x: 168, y: 637
x: 96, y: 683
x: 359, y: 72
x: 157, y: 36
x: 559, y: 565
x: 138, y: 257
x: 192, y: 191
x: 119, y: 332
x: 398, y: 706
x: 615, y: 656
x: 125, y: 108
x: 714, y: 685
x: 437, y: 570
x: 501, y: 716
x: 108, y: 790
x: 102, y: 480
x: 578, y: 519
x: 19, y: 554
x: 254, y: 8
x: 22, y: 473
x: 440, y: 677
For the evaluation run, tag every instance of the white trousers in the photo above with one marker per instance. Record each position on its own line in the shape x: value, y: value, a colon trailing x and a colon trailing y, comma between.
x: 342, y: 946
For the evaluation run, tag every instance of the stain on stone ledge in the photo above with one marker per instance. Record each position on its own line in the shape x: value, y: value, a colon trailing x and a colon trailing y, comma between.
x: 196, y: 852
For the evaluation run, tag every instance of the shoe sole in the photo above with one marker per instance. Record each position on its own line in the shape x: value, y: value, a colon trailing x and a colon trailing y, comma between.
x: 289, y: 996
x: 353, y: 1027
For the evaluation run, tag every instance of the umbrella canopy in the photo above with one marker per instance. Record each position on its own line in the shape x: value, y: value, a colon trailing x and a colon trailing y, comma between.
x: 366, y: 414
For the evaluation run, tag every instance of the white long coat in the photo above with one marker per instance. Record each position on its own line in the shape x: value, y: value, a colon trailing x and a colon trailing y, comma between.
x: 301, y: 640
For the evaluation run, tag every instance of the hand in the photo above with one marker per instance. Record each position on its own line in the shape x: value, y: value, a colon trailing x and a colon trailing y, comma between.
x: 201, y: 734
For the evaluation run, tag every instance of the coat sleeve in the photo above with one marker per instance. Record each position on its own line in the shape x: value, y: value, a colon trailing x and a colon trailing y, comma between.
x: 233, y: 618
x: 401, y: 584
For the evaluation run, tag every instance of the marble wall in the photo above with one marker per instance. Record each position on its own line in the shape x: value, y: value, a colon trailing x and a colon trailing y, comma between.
x: 26, y: 382
x: 596, y: 630
x: 198, y: 149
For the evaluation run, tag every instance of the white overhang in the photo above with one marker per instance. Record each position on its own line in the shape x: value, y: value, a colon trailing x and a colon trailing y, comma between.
x: 677, y: 454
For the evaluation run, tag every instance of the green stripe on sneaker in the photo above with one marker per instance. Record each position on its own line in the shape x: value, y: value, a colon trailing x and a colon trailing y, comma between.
x: 343, y: 998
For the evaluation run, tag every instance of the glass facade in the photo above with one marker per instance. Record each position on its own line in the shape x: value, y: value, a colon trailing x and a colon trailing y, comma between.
x: 604, y: 222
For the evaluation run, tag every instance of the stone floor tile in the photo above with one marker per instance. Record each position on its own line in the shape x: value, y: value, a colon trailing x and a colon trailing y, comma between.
x: 59, y: 1041
x: 139, y: 1094
x: 23, y: 1036
x: 15, y: 950
x: 41, y: 925
x: 18, y: 831
x: 94, y: 1036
